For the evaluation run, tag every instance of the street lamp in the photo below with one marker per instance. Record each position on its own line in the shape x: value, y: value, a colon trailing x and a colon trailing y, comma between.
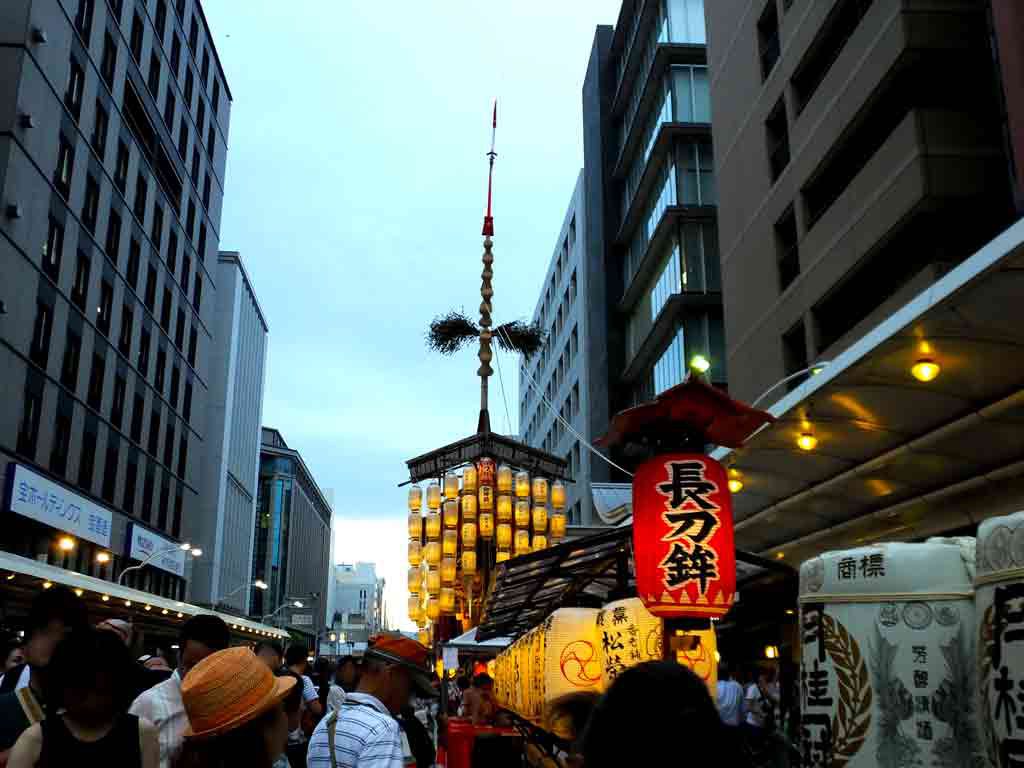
x: 258, y: 584
x: 288, y: 604
x: 183, y: 547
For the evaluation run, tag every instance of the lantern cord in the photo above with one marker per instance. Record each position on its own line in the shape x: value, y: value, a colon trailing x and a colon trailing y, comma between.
x: 572, y: 431
x: 501, y: 381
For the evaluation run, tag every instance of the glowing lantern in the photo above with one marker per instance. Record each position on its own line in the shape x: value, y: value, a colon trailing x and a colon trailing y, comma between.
x: 558, y: 494
x: 451, y: 486
x: 423, y: 636
x: 522, y: 485
x: 433, y: 581
x: 698, y: 650
x: 415, y: 609
x: 540, y: 542
x: 504, y: 509
x: 415, y: 552
x: 502, y: 555
x: 522, y: 541
x: 504, y: 535
x: 683, y: 536
x: 433, y: 609
x: 450, y: 543
x: 415, y: 525
x: 469, y: 506
x: 433, y: 496
x: 557, y: 526
x: 433, y: 525
x: 522, y: 513
x: 415, y: 498
x: 448, y: 567
x: 504, y: 479
x: 451, y: 514
x: 540, y: 490
x: 469, y: 483
x: 486, y: 525
x: 432, y: 553
x: 540, y: 518
x: 486, y: 496
x: 469, y: 562
x: 447, y: 600
x: 486, y: 469
x: 631, y: 618
x: 468, y: 535
x: 415, y: 581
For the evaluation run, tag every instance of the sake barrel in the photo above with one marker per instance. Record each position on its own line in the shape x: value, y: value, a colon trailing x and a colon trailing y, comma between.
x: 887, y: 645
x: 999, y: 602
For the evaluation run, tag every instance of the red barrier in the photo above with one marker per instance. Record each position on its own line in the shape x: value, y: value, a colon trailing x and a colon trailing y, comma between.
x: 461, y: 735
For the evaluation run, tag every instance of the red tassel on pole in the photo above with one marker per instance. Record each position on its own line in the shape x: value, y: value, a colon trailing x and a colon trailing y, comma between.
x: 488, y: 219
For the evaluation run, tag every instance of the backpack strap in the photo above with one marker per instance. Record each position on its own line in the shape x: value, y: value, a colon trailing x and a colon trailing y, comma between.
x: 32, y: 709
x: 332, y: 727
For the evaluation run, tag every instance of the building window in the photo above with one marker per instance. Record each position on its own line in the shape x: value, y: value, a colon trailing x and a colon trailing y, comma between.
x: 193, y: 34
x: 777, y: 136
x: 108, y: 64
x: 53, y: 249
x: 169, y: 105
x: 192, y: 343
x: 28, y: 428
x: 136, y: 39
x: 175, y: 54
x: 96, y: 376
x: 99, y: 130
x: 61, y: 443
x: 91, y: 204
x: 165, y: 310
x: 157, y: 232
x: 190, y: 220
x: 141, y: 193
x: 169, y: 445
x: 143, y: 359
x: 124, y: 343
x: 80, y: 288
x: 175, y: 386
x: 215, y: 99
x: 134, y: 257
x: 206, y: 191
x: 72, y: 355
x: 176, y: 524
x: 768, y: 39
x: 195, y: 165
x: 794, y: 355
x: 121, y: 170
x: 189, y: 83
x: 160, y: 19
x: 211, y: 140
x: 117, y: 406
x: 200, y: 115
x: 179, y: 7
x: 113, y: 243
x: 131, y: 479
x: 110, y: 469
x: 83, y: 19
x: 186, y: 269
x: 699, y: 186
x: 161, y: 520
x: 197, y: 293
x: 105, y: 308
x: 179, y: 329
x: 76, y: 83
x: 87, y: 460
x: 183, y: 139
x: 147, y: 494
x: 154, y: 431
x: 186, y: 403
x: 205, y: 70
x: 668, y: 371
x: 137, y: 410
x: 787, y: 250
x: 150, y: 298
x: 161, y: 365
x: 838, y: 28
x: 65, y: 167
x: 154, y: 74
x: 201, y: 246
x: 39, y: 351
x: 172, y: 250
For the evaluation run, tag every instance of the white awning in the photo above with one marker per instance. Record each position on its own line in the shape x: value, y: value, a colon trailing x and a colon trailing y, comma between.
x: 613, y: 502
x: 467, y: 642
x: 17, y: 569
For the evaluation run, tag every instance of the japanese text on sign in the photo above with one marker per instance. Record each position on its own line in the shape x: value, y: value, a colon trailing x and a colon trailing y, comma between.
x: 36, y: 497
x: 867, y: 567
x: 691, y: 518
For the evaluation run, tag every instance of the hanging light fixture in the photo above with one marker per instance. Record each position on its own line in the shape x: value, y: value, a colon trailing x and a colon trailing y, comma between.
x: 415, y: 609
x: 469, y: 562
x: 504, y: 479
x: 415, y: 552
x: 487, y: 525
x: 468, y: 535
x: 540, y: 490
x: 503, y: 535
x: 432, y: 553
x: 925, y: 370
x: 433, y: 609
x: 522, y: 484
x: 485, y: 470
x: 486, y: 496
x: 522, y: 513
x: 469, y: 479
x: 415, y: 581
x: 522, y: 541
x: 448, y: 568
x: 415, y: 498
x: 415, y: 525
x: 557, y: 524
x: 451, y: 485
x: 540, y: 518
x: 434, y: 496
x: 540, y: 542
x: 469, y: 506
x: 447, y: 600
x: 502, y: 555
x: 433, y: 525
x: 558, y: 494
x: 450, y: 543
x: 423, y: 636
x: 433, y: 581
x: 735, y: 483
x: 451, y: 514
x: 504, y: 508
x: 807, y: 441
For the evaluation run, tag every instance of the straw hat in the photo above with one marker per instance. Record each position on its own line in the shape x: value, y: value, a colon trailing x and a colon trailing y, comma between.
x: 227, y: 689
x: 394, y: 648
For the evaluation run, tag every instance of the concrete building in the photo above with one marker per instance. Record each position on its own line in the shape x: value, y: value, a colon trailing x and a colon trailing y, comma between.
x: 113, y: 139
x: 557, y: 377
x: 227, y: 505
x: 861, y: 154
x: 291, y: 546
x: 358, y: 602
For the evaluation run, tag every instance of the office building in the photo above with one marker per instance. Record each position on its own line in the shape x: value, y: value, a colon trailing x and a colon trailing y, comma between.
x: 358, y: 601
x: 227, y: 505
x: 861, y: 153
x: 113, y: 138
x: 291, y: 546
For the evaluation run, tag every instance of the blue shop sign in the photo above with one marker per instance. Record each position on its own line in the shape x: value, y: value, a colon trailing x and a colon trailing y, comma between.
x: 39, y: 498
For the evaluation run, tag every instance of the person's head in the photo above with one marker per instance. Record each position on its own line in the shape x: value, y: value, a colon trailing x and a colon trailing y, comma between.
x: 296, y: 658
x: 293, y: 701
x: 13, y: 655
x: 90, y: 676
x: 200, y: 636
x: 462, y: 682
x: 724, y: 673
x: 661, y: 698
x: 270, y: 653
x: 235, y: 710
x: 347, y: 673
x: 54, y: 613
x: 122, y: 629
x: 322, y: 668
x: 393, y: 666
x: 484, y: 682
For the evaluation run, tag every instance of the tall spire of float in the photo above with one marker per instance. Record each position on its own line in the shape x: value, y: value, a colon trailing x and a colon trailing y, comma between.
x: 486, y: 289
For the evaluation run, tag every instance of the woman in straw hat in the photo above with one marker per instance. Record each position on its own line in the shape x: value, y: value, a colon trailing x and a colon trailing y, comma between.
x: 235, y: 711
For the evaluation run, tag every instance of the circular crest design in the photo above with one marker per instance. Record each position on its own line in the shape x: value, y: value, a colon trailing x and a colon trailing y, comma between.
x: 1017, y: 545
x: 997, y: 548
x: 814, y: 575
x: 889, y: 615
x: 917, y: 615
x: 579, y: 664
x: 947, y: 615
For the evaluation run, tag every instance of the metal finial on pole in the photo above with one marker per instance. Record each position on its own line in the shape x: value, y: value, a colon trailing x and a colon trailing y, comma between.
x: 487, y: 290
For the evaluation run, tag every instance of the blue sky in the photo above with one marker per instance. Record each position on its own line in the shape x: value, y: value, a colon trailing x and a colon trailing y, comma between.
x: 355, y: 189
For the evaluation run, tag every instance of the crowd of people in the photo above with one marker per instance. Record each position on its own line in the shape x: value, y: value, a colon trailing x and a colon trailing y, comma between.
x: 72, y: 693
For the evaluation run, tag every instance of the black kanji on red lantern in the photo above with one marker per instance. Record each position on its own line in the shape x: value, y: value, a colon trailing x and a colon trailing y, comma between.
x: 681, y: 566
x: 688, y: 483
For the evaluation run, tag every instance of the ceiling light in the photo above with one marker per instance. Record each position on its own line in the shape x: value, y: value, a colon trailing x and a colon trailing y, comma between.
x: 102, y: 558
x: 807, y: 441
x: 185, y: 546
x: 149, y: 607
x: 925, y: 370
x: 105, y: 598
x: 779, y: 555
x: 128, y: 603
x: 790, y: 611
x: 66, y: 543
x: 180, y: 614
x: 260, y: 584
x: 700, y: 364
x: 79, y: 592
x: 771, y: 652
x: 10, y: 576
x: 735, y: 483
x: 196, y: 552
x: 164, y: 611
x: 47, y: 584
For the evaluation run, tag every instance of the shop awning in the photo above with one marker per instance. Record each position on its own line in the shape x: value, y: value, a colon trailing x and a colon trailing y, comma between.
x: 898, y: 459
x: 468, y: 641
x: 18, y: 572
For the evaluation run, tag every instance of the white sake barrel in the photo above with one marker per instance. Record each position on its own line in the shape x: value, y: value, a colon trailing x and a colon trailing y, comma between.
x: 999, y: 601
x: 888, y: 649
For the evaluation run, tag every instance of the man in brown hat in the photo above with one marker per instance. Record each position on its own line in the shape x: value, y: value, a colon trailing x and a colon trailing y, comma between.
x: 363, y: 733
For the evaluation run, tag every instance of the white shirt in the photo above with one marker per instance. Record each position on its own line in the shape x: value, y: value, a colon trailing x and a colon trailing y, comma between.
x: 26, y: 673
x: 162, y: 706
x: 366, y: 736
x: 730, y: 697
x: 754, y: 699
x: 335, y: 698
x: 308, y: 689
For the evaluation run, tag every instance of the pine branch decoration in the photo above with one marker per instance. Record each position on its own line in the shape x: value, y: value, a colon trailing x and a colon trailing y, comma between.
x: 450, y: 333
x: 521, y: 337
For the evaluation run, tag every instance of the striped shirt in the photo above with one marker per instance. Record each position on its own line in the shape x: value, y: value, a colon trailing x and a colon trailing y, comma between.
x: 366, y: 736
x: 162, y: 706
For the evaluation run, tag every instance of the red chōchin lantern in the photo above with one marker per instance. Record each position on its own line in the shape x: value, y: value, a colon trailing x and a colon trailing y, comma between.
x: 683, y: 536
